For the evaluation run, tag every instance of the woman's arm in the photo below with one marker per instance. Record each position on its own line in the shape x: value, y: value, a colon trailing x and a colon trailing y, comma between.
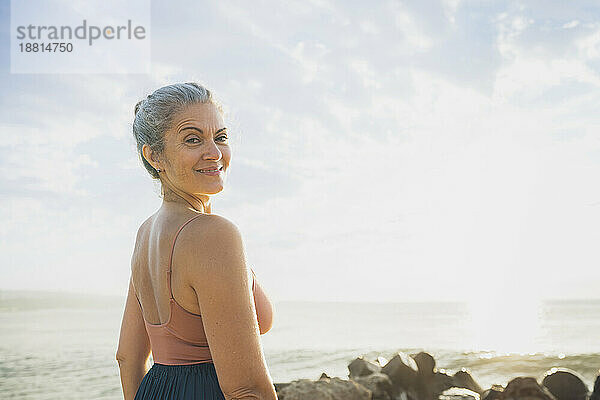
x: 217, y: 271
x: 131, y: 377
x: 134, y: 346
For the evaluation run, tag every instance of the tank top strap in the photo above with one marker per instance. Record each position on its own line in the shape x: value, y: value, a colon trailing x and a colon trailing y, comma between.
x: 169, y: 270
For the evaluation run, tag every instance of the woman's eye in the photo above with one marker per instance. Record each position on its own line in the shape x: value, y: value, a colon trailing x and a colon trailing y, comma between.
x: 190, y: 140
x: 224, y: 138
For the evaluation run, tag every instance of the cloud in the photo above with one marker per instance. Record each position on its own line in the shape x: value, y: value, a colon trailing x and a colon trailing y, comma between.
x: 447, y: 145
x: 571, y: 25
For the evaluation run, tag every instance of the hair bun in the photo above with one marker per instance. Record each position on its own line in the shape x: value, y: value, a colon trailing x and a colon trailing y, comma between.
x: 137, y: 107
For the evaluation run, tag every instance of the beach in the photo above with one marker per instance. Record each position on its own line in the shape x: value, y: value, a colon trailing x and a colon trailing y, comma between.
x: 54, y: 345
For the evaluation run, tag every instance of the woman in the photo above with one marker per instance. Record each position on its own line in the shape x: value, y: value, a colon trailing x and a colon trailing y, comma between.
x: 192, y: 301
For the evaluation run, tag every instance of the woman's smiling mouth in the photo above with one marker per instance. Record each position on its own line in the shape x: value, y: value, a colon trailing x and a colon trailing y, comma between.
x: 213, y: 171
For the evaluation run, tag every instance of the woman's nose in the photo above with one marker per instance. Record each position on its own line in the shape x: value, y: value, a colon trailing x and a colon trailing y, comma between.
x: 212, y: 152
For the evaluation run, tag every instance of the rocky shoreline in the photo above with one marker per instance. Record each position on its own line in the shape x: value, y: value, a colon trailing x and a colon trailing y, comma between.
x: 415, y: 377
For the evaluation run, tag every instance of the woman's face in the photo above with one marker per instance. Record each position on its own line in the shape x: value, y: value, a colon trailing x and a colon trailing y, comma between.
x: 195, y: 146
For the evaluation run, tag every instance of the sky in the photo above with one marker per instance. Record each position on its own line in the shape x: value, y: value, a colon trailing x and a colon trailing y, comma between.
x: 382, y: 151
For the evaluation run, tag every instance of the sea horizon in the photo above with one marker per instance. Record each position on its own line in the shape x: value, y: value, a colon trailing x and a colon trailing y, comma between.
x: 60, y: 342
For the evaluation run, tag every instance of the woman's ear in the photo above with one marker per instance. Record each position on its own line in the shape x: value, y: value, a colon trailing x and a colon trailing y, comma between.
x: 150, y: 156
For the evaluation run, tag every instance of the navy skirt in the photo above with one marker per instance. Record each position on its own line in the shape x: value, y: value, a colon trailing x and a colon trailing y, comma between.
x: 180, y: 382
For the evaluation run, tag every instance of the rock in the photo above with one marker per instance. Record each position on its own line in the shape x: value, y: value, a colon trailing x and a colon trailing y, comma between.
x: 565, y: 384
x: 279, y: 386
x: 596, y: 393
x: 459, y: 394
x: 381, y: 360
x: 324, y: 389
x: 402, y: 370
x: 426, y: 367
x: 378, y: 383
x: 493, y: 393
x: 406, y: 396
x: 425, y: 364
x: 324, y: 375
x: 429, y: 388
x: 463, y: 379
x: 361, y: 367
x: 526, y: 388
x: 441, y: 381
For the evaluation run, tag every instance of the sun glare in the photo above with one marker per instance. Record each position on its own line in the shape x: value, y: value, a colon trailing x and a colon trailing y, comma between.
x: 505, y: 324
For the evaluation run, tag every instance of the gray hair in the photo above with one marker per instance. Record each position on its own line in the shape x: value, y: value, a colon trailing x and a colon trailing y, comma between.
x: 154, y: 115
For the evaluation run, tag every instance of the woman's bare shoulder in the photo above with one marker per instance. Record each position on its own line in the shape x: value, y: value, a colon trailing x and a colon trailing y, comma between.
x: 210, y: 237
x: 142, y: 233
x: 145, y: 227
x: 211, y: 226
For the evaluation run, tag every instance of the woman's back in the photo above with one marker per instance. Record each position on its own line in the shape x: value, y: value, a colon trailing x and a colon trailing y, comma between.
x: 157, y: 239
x: 168, y: 302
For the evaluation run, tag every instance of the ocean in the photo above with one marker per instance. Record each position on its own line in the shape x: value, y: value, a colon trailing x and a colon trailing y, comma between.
x: 62, y: 346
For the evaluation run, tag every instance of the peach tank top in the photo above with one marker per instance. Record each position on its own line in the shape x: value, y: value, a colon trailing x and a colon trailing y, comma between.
x: 181, y: 340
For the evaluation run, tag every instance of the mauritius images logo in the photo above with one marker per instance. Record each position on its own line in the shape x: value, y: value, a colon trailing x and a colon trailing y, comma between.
x: 88, y: 33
